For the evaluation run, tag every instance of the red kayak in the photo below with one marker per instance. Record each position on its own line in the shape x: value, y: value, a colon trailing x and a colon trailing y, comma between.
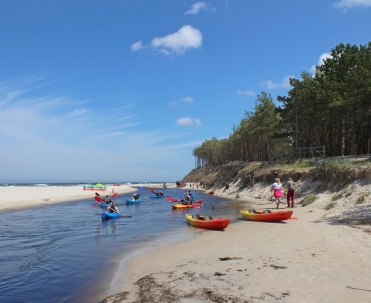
x: 266, y: 215
x: 207, y: 222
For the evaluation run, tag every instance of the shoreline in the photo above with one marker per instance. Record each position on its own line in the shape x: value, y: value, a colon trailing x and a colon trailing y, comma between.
x: 16, y: 197
x: 309, y: 258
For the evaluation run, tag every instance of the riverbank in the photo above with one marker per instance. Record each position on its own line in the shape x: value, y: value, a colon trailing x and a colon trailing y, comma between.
x: 310, y: 258
x: 15, y: 197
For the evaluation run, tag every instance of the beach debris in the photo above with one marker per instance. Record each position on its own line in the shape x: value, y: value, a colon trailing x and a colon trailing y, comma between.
x: 358, y: 288
x: 229, y: 258
x: 278, y: 267
x: 218, y: 274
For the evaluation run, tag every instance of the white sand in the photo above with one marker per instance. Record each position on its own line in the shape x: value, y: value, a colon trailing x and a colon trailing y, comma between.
x: 306, y: 259
x: 24, y: 196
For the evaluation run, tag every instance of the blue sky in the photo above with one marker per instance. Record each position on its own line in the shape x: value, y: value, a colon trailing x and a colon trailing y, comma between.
x: 124, y: 90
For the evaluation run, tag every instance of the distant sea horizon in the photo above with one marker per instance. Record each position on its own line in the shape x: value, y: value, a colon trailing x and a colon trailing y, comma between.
x: 40, y: 184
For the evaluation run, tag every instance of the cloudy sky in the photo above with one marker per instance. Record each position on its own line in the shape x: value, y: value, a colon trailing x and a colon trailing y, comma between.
x: 124, y: 90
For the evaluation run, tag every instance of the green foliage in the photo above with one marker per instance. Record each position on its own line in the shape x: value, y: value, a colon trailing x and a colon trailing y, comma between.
x: 309, y: 199
x: 330, y: 205
x: 334, y: 171
x: 331, y: 109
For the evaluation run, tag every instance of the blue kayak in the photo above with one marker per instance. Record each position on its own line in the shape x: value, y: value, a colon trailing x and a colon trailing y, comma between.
x: 156, y: 197
x: 104, y: 205
x: 108, y: 215
x: 132, y: 201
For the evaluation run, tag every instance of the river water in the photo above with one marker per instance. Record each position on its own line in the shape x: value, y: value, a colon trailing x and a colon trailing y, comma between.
x: 66, y: 253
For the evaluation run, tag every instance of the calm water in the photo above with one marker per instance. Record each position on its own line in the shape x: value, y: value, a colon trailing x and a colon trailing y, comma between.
x: 66, y: 253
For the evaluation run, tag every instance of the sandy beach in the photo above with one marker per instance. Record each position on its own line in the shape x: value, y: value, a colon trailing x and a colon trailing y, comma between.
x: 308, y: 258
x: 25, y: 196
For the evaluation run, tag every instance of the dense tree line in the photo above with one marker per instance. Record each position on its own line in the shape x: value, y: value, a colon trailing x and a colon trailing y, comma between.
x: 330, y: 109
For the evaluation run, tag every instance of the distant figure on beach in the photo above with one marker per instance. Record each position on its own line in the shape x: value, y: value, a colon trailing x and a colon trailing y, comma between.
x: 226, y: 187
x: 164, y: 185
x: 276, y: 189
x: 291, y: 187
x: 113, y: 208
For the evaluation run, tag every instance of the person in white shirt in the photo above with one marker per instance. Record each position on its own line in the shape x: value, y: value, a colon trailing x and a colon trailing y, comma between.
x: 276, y: 189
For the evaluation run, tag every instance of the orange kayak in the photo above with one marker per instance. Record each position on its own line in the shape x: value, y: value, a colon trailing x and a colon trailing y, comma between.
x: 207, y: 222
x: 266, y: 215
x: 184, y: 206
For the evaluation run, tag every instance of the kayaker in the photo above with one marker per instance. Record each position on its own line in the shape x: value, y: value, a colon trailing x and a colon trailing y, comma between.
x: 276, y: 189
x: 107, y: 199
x: 136, y: 196
x: 113, y: 208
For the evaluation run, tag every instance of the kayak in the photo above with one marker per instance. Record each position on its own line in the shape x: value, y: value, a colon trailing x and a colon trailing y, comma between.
x: 108, y: 215
x: 104, y: 205
x: 207, y: 222
x: 132, y: 201
x: 184, y: 206
x: 266, y: 215
x: 156, y: 197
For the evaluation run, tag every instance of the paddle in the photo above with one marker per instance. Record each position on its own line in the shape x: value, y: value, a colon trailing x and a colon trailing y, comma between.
x: 98, y: 199
x: 171, y: 199
x: 114, y: 194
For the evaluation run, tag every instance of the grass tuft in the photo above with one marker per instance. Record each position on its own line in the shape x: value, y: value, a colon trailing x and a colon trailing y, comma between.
x: 309, y: 199
x: 330, y: 205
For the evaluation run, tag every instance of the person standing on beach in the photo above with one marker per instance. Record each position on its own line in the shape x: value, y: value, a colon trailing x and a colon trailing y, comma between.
x: 276, y: 189
x: 291, y: 187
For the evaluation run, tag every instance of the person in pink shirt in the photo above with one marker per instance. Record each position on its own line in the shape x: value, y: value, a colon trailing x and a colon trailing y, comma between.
x: 276, y: 189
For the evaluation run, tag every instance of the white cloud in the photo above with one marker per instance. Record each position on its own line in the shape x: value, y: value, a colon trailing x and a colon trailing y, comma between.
x: 197, y: 7
x: 60, y: 138
x: 323, y: 57
x: 345, y: 4
x: 183, y: 100
x: 185, y: 38
x: 187, y: 121
x: 137, y: 46
x: 285, y: 83
x: 246, y: 93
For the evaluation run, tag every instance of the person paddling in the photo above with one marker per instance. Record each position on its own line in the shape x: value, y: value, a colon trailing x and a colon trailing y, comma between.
x: 113, y: 208
x: 136, y: 196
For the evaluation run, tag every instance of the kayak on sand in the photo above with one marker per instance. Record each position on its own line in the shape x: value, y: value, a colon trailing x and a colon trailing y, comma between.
x: 207, y: 222
x: 266, y: 215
